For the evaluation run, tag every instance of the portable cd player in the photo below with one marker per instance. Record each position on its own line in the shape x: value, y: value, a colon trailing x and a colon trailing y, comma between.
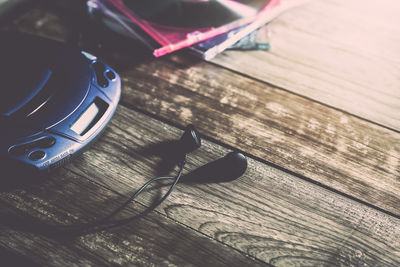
x: 55, y: 100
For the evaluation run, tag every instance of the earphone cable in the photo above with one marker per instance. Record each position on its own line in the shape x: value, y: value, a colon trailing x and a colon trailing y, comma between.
x: 105, y: 223
x: 151, y: 207
x: 140, y: 190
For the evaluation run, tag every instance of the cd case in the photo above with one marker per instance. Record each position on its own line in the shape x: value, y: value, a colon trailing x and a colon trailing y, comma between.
x: 258, y: 39
x: 207, y: 26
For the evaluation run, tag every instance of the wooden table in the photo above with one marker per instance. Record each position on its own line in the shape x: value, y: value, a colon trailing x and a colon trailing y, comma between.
x: 318, y: 117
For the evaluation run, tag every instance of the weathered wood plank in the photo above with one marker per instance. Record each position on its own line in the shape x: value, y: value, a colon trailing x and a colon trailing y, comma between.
x: 342, y: 53
x: 267, y: 214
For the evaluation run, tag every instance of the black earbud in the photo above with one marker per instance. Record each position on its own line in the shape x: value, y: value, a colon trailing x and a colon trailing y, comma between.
x: 189, y: 141
x: 225, y: 169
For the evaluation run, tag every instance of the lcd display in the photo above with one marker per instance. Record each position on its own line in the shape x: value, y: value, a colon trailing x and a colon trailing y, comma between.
x: 84, y: 120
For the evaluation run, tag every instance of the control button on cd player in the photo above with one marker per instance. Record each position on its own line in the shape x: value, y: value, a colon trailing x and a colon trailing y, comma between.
x: 37, y: 155
x: 100, y: 68
x: 19, y: 150
x: 45, y: 142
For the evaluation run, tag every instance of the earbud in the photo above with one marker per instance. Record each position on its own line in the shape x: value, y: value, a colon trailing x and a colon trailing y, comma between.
x: 225, y: 169
x: 189, y: 142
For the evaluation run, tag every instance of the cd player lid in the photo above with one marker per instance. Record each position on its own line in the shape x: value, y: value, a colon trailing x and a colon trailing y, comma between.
x: 23, y: 78
x: 42, y: 81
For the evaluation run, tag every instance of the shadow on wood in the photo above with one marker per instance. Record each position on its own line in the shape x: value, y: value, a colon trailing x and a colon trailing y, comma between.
x: 17, y: 175
x: 167, y: 152
x: 12, y: 259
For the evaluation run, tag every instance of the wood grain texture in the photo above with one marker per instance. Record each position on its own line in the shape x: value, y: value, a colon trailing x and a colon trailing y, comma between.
x: 342, y: 53
x: 32, y: 220
x: 267, y: 214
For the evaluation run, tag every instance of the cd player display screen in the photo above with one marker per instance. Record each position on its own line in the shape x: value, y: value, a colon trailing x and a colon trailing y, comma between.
x: 83, y: 122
